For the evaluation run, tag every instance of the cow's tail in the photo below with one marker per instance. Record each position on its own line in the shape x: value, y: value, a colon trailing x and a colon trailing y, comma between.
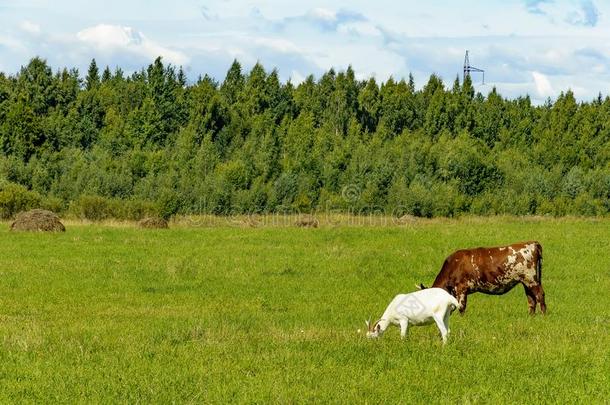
x: 539, y: 263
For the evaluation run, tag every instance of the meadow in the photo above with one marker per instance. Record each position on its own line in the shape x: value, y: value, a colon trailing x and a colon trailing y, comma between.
x: 219, y: 313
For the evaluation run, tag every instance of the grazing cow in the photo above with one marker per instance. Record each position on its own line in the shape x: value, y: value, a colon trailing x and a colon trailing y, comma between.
x: 494, y: 270
x: 417, y: 308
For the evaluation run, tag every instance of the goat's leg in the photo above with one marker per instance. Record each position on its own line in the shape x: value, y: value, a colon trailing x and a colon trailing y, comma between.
x: 441, y: 327
x: 404, y: 325
x: 446, y: 320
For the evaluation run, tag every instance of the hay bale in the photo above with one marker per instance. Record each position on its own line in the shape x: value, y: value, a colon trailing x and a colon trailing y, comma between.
x: 308, y: 221
x: 37, y: 220
x: 153, y: 223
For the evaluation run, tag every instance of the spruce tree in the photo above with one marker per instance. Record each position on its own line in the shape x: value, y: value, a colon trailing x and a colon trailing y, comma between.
x: 93, y: 76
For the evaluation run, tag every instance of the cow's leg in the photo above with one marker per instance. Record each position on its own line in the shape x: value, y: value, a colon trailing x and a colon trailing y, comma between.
x: 461, y: 296
x: 539, y: 292
x: 531, y: 299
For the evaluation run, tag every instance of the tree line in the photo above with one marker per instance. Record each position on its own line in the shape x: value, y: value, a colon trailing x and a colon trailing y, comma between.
x: 113, y: 144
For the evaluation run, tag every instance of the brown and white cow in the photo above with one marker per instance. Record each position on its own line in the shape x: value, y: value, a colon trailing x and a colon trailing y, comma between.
x: 494, y: 270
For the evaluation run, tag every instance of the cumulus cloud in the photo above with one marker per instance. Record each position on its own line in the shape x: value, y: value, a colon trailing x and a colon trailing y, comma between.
x: 30, y: 27
x: 118, y: 39
x: 587, y: 16
x: 578, y: 13
x: 543, y: 85
x: 277, y: 44
x: 360, y: 29
x: 322, y: 14
x: 214, y: 55
x: 323, y: 19
x: 535, y: 6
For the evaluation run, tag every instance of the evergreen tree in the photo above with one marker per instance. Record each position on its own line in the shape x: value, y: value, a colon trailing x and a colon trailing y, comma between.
x: 233, y: 84
x: 93, y: 77
x: 106, y: 75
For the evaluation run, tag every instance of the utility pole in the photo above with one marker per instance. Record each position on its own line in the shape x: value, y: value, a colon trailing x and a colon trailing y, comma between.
x: 468, y: 69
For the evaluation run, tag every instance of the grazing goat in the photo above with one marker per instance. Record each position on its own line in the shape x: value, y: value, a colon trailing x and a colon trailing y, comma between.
x: 417, y: 308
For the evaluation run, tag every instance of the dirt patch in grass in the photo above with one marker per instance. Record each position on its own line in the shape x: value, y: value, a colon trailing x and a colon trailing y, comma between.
x: 37, y: 220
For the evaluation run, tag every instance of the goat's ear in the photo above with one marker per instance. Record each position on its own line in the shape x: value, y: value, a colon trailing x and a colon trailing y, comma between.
x: 377, y: 327
x: 420, y: 286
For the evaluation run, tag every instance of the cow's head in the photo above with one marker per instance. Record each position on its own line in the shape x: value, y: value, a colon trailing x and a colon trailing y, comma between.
x: 373, y: 330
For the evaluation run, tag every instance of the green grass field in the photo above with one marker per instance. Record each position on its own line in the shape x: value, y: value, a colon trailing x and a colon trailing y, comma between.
x: 270, y: 314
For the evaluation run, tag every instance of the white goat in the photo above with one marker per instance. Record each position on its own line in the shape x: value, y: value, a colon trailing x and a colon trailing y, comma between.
x: 417, y: 308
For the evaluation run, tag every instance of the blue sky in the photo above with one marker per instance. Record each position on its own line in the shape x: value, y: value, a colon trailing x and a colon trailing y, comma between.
x: 535, y: 47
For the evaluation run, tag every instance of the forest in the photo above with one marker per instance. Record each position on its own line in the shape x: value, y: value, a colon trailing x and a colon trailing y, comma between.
x: 117, y: 145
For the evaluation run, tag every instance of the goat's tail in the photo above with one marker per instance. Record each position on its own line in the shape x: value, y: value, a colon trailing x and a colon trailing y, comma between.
x: 455, y: 304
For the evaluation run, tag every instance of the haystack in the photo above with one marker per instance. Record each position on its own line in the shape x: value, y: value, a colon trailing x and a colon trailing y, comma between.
x: 307, y: 221
x: 153, y: 223
x: 37, y: 220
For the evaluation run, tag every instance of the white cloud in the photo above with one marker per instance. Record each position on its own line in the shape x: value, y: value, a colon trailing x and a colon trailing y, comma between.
x: 277, y: 44
x: 323, y: 14
x: 296, y: 77
x: 115, y: 38
x: 359, y: 28
x: 543, y: 85
x: 11, y: 44
x: 30, y: 27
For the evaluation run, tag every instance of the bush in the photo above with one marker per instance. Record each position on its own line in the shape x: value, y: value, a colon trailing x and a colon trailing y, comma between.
x: 15, y: 198
x: 93, y: 208
x: 135, y: 210
x: 588, y: 206
x: 168, y: 204
x: 418, y: 202
x: 53, y: 204
x: 573, y: 183
x: 97, y: 208
x: 484, y: 204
